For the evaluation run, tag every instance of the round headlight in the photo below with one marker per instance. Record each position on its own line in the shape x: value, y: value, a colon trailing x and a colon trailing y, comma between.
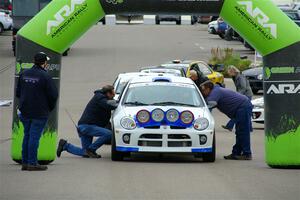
x: 143, y: 116
x: 201, y: 124
x: 157, y: 115
x: 187, y: 117
x: 128, y: 123
x: 172, y: 115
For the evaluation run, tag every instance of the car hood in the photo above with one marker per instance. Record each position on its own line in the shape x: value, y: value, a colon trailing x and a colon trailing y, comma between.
x: 258, y: 102
x: 253, y: 72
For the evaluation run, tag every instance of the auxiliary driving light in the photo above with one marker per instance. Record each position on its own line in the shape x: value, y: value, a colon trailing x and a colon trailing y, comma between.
x: 172, y: 115
x: 187, y: 117
x: 157, y: 115
x: 202, y: 139
x: 143, y: 116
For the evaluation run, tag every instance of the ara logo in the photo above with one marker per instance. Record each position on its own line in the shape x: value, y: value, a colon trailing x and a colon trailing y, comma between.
x: 114, y: 1
x: 260, y: 16
x: 284, y: 89
x: 62, y: 14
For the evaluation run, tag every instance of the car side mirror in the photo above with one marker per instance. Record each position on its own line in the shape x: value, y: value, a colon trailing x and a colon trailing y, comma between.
x: 212, y: 104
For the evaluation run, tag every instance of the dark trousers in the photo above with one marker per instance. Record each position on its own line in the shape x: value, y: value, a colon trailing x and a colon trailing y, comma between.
x: 33, y: 129
x: 87, y: 133
x: 243, y: 128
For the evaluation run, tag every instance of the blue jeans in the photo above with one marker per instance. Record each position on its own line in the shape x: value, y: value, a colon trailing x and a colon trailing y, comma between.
x: 243, y: 129
x: 87, y: 133
x: 232, y: 122
x: 33, y: 129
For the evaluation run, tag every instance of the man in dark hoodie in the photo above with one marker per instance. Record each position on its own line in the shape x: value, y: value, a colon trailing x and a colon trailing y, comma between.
x: 92, y: 124
x: 37, y: 95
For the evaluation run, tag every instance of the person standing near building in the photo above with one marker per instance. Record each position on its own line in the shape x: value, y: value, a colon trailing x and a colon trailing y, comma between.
x: 242, y: 86
x: 37, y: 95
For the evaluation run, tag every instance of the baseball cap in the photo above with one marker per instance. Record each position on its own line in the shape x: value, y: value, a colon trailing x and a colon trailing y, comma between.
x: 41, y: 57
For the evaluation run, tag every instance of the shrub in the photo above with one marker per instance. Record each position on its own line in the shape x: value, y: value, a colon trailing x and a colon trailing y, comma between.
x: 227, y: 57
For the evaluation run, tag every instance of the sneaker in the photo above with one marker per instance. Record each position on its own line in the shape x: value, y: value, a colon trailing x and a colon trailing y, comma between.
x: 231, y: 157
x: 60, y: 147
x: 24, y: 167
x: 92, y: 154
x: 245, y: 157
x: 36, y: 168
x: 225, y: 127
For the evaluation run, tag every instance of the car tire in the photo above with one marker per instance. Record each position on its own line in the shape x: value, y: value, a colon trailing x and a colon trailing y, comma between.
x: 213, y: 31
x: 157, y: 22
x: 178, y: 22
x: 210, y: 157
x: 1, y: 28
x: 255, y: 91
x: 221, y: 35
x: 116, y: 155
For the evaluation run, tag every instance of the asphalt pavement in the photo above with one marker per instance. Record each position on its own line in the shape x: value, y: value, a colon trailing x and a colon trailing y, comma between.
x: 95, y: 60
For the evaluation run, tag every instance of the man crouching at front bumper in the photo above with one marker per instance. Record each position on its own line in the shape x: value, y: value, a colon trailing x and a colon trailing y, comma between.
x: 235, y: 106
x: 92, y: 124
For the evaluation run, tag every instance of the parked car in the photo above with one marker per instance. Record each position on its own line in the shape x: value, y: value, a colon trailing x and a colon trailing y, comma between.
x: 123, y: 79
x: 255, y: 77
x: 5, y: 21
x: 207, y: 19
x: 169, y: 18
x: 187, y: 65
x: 163, y: 70
x: 258, y: 112
x: 152, y: 117
x: 6, y: 5
x: 212, y: 27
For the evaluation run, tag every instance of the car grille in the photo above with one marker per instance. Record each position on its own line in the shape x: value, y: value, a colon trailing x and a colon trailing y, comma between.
x: 171, y: 140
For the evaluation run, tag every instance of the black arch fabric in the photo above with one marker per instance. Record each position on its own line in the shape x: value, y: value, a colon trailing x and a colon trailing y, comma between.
x: 261, y: 23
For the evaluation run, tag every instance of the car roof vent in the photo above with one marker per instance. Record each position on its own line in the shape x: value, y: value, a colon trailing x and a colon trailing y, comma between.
x: 161, y: 79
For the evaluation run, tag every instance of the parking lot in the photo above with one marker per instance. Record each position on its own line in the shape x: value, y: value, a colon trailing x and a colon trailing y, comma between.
x: 96, y: 59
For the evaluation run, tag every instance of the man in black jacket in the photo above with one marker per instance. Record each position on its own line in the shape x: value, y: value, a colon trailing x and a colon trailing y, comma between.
x: 92, y: 124
x: 37, y: 95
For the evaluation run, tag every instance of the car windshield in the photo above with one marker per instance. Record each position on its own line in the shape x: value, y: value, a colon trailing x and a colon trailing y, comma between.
x: 175, y: 72
x: 204, y: 69
x: 163, y: 94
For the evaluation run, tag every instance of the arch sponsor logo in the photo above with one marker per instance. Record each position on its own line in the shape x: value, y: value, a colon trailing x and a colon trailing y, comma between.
x: 64, y: 13
x: 260, y: 17
x: 115, y: 1
x: 284, y: 89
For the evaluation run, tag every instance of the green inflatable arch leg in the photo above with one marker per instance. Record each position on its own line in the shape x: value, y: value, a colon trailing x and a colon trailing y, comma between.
x: 260, y: 22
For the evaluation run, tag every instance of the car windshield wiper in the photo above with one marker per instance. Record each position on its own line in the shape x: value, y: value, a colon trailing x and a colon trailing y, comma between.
x: 173, y: 103
x: 135, y: 103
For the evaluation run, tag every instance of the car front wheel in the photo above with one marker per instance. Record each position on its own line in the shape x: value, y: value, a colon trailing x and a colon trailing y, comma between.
x: 116, y: 155
x: 210, y: 157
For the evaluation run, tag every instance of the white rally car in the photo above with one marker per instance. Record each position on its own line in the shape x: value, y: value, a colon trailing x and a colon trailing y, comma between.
x: 163, y: 114
x: 258, y: 112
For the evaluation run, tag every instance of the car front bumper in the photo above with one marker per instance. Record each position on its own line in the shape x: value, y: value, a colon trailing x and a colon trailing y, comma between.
x: 164, y: 140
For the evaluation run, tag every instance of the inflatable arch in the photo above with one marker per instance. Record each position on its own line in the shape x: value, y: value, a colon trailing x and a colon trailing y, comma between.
x: 260, y: 22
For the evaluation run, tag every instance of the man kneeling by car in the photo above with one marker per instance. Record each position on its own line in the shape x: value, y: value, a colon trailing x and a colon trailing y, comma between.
x: 236, y: 106
x: 92, y: 123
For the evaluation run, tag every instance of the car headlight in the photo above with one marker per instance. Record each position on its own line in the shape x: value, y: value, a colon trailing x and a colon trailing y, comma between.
x: 172, y: 115
x: 201, y: 124
x: 128, y: 123
x: 260, y: 77
x: 143, y: 116
x: 187, y: 117
x: 157, y: 115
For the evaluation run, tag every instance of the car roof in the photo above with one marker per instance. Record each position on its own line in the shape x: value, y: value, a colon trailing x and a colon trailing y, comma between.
x: 161, y: 78
x: 159, y: 67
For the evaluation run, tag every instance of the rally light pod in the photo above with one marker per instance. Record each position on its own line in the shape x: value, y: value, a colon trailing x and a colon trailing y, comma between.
x: 187, y: 117
x: 172, y: 115
x: 157, y: 115
x: 143, y: 116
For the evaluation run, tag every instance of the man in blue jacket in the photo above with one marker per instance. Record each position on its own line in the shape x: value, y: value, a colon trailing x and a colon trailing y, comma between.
x: 235, y: 106
x: 37, y: 95
x: 92, y: 124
